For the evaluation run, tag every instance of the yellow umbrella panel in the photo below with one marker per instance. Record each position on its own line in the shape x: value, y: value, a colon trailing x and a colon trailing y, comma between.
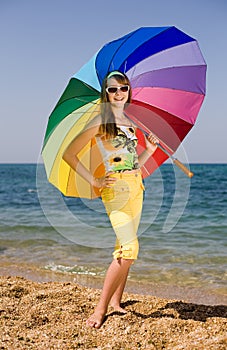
x: 59, y: 173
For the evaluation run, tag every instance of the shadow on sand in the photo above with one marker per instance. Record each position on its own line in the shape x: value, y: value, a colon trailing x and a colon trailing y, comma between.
x: 187, y: 311
x: 178, y: 310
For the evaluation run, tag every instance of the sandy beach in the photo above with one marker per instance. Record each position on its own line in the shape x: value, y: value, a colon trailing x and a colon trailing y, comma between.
x: 52, y: 315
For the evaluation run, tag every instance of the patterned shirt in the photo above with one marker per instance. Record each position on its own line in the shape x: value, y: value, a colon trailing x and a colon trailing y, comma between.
x: 119, y: 153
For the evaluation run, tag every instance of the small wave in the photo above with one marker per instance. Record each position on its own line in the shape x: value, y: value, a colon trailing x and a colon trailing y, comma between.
x: 76, y: 269
x: 31, y: 190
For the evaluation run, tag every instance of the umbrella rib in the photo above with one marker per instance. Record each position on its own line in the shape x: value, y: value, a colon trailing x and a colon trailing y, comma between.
x: 147, y: 131
x: 78, y: 98
x: 95, y: 95
x: 90, y: 168
x: 120, y: 47
x: 136, y: 47
x: 137, y: 79
x: 67, y: 184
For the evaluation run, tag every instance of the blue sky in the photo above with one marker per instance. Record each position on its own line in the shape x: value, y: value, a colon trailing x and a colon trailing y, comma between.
x: 43, y: 43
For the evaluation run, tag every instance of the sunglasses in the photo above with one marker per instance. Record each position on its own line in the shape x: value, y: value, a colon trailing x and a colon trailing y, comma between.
x: 114, y: 89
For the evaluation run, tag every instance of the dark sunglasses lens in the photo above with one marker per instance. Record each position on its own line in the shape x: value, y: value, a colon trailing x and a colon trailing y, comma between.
x: 124, y: 88
x: 112, y: 90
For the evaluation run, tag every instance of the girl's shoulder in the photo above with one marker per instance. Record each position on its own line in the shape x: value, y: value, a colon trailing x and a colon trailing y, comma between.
x: 94, y: 123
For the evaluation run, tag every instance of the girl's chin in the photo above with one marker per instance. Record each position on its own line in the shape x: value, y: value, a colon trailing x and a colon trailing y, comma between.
x: 118, y: 103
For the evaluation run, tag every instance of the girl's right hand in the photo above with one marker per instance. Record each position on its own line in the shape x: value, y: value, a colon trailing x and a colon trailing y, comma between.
x: 105, y: 181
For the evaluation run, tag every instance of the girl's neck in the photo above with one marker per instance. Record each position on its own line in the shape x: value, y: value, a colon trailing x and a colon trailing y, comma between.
x: 118, y: 112
x: 122, y: 120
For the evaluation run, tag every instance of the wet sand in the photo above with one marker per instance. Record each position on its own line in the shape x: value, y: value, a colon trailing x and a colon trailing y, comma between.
x: 52, y: 315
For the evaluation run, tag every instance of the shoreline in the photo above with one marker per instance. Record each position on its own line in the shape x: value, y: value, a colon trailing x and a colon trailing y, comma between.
x: 188, y: 294
x: 52, y: 315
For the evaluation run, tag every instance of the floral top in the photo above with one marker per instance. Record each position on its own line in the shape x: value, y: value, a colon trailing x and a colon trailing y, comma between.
x: 119, y: 153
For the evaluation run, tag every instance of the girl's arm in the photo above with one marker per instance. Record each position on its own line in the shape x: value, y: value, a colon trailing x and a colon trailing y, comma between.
x: 151, y: 145
x: 71, y: 152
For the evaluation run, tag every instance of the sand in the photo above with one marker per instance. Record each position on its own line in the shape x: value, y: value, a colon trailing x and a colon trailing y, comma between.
x: 53, y: 315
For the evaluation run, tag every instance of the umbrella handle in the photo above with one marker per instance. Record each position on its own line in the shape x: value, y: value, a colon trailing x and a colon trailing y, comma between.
x: 176, y: 161
x: 183, y: 167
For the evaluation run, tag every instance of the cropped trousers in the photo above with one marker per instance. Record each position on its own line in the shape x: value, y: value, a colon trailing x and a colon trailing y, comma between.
x: 123, y: 202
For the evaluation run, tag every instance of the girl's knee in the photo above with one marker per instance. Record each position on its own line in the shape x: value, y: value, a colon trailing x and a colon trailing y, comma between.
x: 127, y: 251
x: 128, y: 262
x: 125, y: 262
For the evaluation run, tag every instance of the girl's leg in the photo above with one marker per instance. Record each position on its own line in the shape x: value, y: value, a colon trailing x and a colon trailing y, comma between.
x: 123, y: 220
x: 116, y: 276
x: 115, y: 301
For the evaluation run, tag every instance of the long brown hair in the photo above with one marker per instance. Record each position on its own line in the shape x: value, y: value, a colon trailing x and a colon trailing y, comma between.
x: 108, y: 124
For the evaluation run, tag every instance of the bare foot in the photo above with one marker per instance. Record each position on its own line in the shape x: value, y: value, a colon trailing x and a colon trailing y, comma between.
x: 96, y: 319
x: 118, y: 308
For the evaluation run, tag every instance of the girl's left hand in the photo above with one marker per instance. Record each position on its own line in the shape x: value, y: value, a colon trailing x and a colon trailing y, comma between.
x: 152, y: 139
x: 151, y: 143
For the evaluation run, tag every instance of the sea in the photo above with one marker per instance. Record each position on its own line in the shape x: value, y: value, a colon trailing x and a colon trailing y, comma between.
x: 46, y: 236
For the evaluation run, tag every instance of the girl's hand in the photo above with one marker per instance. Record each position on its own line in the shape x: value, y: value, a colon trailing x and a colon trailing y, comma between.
x: 105, y: 181
x: 151, y: 143
x: 152, y: 139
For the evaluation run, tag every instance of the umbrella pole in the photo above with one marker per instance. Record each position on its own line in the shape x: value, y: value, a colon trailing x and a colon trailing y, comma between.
x: 176, y: 161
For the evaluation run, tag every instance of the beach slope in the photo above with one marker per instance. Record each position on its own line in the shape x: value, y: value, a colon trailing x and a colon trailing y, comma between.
x: 53, y: 315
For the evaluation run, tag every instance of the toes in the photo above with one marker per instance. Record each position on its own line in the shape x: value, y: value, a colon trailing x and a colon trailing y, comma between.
x: 91, y: 323
x: 94, y: 322
x: 97, y: 325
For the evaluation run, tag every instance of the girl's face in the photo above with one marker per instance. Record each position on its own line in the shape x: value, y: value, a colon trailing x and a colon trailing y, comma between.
x: 117, y: 97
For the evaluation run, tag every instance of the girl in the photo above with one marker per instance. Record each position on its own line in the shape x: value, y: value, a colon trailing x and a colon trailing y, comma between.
x: 121, y: 188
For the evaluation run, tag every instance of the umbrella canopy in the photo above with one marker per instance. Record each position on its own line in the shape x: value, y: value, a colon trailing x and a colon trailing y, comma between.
x: 168, y: 76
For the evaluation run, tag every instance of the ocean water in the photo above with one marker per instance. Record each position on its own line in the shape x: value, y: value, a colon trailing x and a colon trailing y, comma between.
x: 183, y: 230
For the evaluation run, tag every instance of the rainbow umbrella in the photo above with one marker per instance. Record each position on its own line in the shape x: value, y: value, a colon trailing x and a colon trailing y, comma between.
x: 168, y: 76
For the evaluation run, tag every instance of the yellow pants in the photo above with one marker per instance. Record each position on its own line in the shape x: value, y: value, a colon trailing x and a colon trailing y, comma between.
x: 123, y: 202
